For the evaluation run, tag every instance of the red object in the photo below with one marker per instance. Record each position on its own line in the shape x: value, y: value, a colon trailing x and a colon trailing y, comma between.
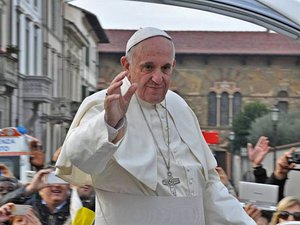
x: 10, y: 132
x: 211, y: 137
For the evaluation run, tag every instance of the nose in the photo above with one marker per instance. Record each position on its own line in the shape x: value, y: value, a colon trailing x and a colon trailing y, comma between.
x: 157, y: 77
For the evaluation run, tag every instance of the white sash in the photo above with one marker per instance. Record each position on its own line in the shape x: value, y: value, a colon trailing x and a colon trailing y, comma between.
x: 126, y: 209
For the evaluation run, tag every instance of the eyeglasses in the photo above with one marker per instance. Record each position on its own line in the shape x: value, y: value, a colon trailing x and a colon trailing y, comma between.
x: 285, y: 214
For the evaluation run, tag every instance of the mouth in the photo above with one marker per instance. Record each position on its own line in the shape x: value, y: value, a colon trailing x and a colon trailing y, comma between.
x: 56, y: 191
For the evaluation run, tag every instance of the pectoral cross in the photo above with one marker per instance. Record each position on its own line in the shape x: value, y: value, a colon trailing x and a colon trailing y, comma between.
x: 171, y: 182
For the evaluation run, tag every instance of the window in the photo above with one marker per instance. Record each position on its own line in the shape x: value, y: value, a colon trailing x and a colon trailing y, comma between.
x: 212, y: 109
x: 237, y: 104
x: 1, y: 28
x: 18, y: 27
x: 36, y: 47
x: 59, y: 75
x: 224, y: 109
x: 283, y: 94
x: 283, y: 106
x: 53, y: 15
x: 45, y: 60
x: 27, y: 46
x: 87, y: 56
x: 83, y: 92
x: 1, y: 125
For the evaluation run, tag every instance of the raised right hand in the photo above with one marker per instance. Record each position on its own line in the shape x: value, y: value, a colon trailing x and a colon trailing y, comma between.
x: 115, y: 103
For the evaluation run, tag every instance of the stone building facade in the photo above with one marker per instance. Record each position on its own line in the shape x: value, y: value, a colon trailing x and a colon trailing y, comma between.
x: 217, y: 73
x: 48, y: 65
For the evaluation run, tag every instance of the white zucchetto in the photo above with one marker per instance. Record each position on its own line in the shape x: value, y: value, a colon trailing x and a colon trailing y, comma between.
x: 143, y: 34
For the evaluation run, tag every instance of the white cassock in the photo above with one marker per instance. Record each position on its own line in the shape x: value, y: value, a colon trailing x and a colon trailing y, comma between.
x: 127, y: 176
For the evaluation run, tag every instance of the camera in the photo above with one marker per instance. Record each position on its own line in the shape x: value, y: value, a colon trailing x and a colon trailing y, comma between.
x: 295, y: 158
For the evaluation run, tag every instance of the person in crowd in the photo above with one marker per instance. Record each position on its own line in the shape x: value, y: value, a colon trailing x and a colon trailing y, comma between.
x: 51, y: 201
x: 37, y: 158
x: 5, y: 171
x: 55, y: 156
x: 7, y: 217
x: 256, y: 214
x: 7, y: 185
x: 225, y: 180
x: 279, y: 176
x: 87, y: 196
x: 288, y: 209
x: 137, y: 142
x: 24, y: 192
x: 256, y: 155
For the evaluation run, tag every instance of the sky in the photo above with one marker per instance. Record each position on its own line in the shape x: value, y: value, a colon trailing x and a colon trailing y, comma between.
x: 123, y: 14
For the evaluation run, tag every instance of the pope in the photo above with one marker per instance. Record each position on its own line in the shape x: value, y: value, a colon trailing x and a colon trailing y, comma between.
x: 140, y: 146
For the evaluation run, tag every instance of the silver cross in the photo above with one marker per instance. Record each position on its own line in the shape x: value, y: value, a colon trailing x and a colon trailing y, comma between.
x: 171, y: 182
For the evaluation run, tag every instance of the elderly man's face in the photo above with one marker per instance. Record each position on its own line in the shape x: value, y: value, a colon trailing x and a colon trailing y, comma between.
x: 151, y: 68
x: 55, y: 194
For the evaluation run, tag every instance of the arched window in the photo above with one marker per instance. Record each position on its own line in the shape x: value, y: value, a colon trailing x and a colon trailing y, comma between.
x: 237, y: 104
x: 283, y: 94
x: 224, y: 109
x: 283, y: 106
x: 212, y: 109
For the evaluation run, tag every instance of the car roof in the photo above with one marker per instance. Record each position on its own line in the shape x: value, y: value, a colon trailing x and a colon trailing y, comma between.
x: 280, y: 16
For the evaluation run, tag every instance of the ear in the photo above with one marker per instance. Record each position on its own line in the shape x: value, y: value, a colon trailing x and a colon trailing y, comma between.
x: 124, y: 63
x: 174, y: 63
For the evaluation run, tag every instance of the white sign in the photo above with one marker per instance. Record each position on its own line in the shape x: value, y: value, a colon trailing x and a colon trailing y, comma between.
x: 13, y: 144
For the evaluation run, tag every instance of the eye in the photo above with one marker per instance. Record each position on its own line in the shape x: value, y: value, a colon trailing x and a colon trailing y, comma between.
x: 166, y: 68
x: 147, y: 67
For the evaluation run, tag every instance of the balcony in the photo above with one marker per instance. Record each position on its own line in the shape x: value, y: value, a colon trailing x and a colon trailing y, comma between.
x: 8, y: 72
x: 62, y: 111
x: 37, y: 89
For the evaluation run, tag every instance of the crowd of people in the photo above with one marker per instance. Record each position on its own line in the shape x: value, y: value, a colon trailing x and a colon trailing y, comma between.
x: 48, y: 203
x: 288, y: 207
x: 51, y: 203
x: 134, y: 155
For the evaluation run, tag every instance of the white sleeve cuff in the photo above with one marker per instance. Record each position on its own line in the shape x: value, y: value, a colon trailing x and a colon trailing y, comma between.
x: 113, y: 131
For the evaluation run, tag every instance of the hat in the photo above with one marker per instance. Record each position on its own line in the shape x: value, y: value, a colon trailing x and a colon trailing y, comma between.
x: 143, y: 34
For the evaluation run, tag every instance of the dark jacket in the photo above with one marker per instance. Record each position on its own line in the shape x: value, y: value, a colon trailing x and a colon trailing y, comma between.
x: 46, y: 217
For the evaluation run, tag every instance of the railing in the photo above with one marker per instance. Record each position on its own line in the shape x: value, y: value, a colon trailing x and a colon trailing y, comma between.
x: 37, y: 89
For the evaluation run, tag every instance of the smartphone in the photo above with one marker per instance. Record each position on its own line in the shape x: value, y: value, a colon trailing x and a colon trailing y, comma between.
x: 20, y: 210
x: 53, y: 179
